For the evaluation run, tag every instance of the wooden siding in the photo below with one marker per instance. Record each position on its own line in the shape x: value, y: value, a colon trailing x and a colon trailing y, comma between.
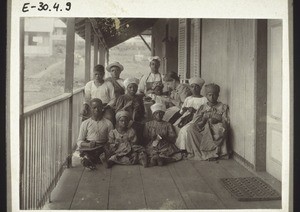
x: 228, y: 59
x: 164, y: 44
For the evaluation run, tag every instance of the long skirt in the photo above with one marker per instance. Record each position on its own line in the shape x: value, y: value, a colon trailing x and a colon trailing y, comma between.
x: 204, y: 144
x: 168, y: 151
x: 126, y: 154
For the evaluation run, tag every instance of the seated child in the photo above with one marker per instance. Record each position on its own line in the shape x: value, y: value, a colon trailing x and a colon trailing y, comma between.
x: 160, y: 138
x: 93, y: 136
x: 123, y: 143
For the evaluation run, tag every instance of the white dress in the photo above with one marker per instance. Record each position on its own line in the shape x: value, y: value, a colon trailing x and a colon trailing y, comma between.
x: 190, y: 101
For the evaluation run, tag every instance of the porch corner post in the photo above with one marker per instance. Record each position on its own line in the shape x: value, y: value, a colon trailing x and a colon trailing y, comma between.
x: 21, y: 110
x: 87, y: 37
x: 69, y: 78
x: 260, y: 94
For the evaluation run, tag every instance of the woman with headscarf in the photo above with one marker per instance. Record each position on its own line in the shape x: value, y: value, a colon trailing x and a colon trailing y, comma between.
x: 206, y: 137
x: 192, y: 103
x: 115, y: 70
x: 122, y: 143
x: 159, y: 137
x: 132, y: 103
x: 145, y: 85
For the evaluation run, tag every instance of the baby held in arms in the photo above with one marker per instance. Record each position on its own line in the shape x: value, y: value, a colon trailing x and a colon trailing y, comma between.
x: 156, y: 96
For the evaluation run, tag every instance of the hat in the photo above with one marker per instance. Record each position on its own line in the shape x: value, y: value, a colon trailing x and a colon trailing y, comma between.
x: 130, y: 81
x: 212, y: 88
x: 158, y: 107
x: 122, y: 113
x: 154, y: 58
x: 117, y: 64
x: 157, y: 84
x: 197, y: 80
x: 170, y: 76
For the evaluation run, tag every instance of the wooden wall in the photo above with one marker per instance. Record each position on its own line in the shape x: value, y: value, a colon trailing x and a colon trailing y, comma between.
x: 228, y: 59
x: 164, y: 43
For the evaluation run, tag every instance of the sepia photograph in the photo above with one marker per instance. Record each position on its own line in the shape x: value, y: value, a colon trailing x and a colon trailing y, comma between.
x: 150, y: 113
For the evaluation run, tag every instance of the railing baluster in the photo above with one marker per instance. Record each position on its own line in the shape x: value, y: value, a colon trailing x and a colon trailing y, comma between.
x: 46, y: 147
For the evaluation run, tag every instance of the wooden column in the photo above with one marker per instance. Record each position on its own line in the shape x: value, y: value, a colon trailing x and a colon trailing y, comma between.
x: 261, y: 95
x: 102, y: 56
x: 95, y: 50
x: 69, y: 78
x: 21, y: 109
x: 106, y: 51
x: 69, y: 65
x: 99, y: 53
x: 87, y: 51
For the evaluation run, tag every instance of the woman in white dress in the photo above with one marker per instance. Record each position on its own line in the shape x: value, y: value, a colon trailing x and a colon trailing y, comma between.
x: 192, y: 103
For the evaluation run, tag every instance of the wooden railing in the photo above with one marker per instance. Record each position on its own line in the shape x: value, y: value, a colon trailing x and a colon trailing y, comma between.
x: 46, y: 148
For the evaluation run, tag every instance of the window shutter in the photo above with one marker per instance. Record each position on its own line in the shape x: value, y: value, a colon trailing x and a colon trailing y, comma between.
x: 195, y: 47
x: 182, y: 49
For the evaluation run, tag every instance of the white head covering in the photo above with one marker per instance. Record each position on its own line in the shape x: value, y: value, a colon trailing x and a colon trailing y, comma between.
x: 115, y: 64
x: 154, y: 58
x: 130, y: 81
x: 122, y: 113
x: 197, y: 80
x: 158, y: 106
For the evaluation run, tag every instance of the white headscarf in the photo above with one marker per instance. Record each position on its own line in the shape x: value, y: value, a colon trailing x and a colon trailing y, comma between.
x: 158, y: 106
x: 130, y: 81
x: 197, y: 80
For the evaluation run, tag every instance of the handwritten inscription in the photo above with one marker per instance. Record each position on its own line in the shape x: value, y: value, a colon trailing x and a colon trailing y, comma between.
x: 42, y: 6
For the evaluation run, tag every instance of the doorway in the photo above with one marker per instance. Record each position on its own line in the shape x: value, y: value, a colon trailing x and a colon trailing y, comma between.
x: 274, y: 99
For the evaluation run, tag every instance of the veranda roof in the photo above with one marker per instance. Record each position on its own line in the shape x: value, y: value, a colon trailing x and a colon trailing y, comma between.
x: 113, y: 31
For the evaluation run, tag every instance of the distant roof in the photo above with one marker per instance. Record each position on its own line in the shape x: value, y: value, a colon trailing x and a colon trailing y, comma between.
x: 114, y: 31
x: 59, y: 23
x: 39, y: 24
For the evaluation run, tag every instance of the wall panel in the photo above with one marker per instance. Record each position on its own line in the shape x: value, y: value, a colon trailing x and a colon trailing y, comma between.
x: 228, y: 59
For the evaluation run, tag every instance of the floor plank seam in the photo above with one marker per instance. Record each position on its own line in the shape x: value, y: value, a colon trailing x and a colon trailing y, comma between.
x: 76, y: 188
x: 215, y: 192
x: 108, y: 190
x: 177, y: 185
x: 143, y: 187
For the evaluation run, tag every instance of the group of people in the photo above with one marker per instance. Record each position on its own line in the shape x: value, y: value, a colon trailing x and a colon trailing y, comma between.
x: 151, y: 121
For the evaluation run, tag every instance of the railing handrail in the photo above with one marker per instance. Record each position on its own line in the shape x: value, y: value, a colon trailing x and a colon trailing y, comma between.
x: 49, y: 102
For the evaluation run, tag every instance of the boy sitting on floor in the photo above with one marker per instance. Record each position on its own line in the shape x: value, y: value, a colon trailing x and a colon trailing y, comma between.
x: 93, y: 136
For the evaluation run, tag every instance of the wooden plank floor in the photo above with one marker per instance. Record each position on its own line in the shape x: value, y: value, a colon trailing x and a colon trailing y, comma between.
x: 181, y: 185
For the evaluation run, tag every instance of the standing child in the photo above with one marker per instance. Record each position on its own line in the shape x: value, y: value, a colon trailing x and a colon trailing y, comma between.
x: 123, y: 143
x: 93, y: 136
x: 160, y: 137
